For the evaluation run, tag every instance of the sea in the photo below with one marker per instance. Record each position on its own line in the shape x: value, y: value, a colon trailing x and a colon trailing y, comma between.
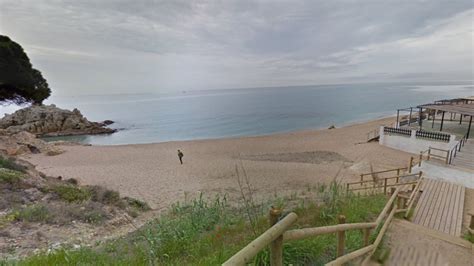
x: 211, y: 114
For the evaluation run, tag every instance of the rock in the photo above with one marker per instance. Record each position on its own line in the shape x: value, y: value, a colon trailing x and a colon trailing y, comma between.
x: 107, y: 122
x: 332, y: 127
x: 26, y: 143
x: 49, y: 120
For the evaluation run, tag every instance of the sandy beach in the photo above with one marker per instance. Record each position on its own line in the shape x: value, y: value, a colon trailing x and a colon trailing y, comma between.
x: 275, y: 164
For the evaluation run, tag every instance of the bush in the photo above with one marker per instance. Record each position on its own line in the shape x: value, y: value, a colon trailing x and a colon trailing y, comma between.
x: 9, y: 163
x: 72, y: 194
x: 137, y: 204
x: 33, y: 213
x: 10, y: 176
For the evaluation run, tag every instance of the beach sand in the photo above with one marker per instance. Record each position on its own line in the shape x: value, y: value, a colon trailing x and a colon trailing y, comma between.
x: 276, y: 164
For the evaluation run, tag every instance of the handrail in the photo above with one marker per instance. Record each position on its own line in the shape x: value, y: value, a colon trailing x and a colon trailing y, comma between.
x: 298, y: 234
x: 412, y: 198
x: 391, y: 177
x: 279, y: 231
x: 248, y: 252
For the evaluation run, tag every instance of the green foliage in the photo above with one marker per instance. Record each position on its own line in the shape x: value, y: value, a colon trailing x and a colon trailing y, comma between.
x: 469, y: 237
x: 33, y: 213
x: 9, y: 163
x: 19, y: 81
x: 11, y: 177
x: 208, y: 232
x: 137, y: 204
x: 71, y: 193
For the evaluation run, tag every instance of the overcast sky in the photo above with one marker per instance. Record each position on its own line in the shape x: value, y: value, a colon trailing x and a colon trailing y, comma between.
x: 103, y: 46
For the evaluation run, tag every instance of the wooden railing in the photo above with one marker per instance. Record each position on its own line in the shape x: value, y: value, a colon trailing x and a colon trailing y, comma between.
x: 278, y: 233
x: 457, y: 148
x: 372, y: 174
x: 382, y: 183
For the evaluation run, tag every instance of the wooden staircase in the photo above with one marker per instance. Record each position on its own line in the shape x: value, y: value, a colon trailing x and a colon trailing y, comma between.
x: 465, y: 158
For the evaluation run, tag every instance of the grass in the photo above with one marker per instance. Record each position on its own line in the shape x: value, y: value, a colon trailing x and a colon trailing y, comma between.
x: 208, y: 232
x: 469, y: 237
x: 11, y: 177
x: 72, y: 193
x: 9, y: 163
x: 33, y: 213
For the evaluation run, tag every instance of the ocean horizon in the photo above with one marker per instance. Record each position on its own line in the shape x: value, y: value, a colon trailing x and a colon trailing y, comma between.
x: 213, y: 114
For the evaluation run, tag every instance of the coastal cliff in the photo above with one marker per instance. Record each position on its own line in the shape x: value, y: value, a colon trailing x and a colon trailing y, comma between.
x: 49, y: 120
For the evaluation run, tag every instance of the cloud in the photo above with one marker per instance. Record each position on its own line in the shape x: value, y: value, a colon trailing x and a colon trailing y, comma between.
x: 155, y: 45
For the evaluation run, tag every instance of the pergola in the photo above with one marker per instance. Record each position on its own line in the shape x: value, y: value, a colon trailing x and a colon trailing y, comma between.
x: 462, y: 106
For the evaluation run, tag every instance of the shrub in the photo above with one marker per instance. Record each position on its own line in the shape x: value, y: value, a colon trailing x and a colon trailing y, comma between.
x: 72, y: 181
x: 33, y: 213
x: 9, y: 163
x: 10, y: 176
x: 72, y: 194
x: 137, y: 204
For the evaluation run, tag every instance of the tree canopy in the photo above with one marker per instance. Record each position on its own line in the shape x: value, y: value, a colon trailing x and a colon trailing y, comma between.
x: 19, y: 82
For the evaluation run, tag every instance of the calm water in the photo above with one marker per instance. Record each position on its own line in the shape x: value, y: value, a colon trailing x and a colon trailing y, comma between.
x: 150, y: 118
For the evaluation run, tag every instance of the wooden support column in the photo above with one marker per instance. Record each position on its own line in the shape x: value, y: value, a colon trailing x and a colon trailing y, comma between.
x: 367, y: 236
x: 409, y: 118
x: 398, y: 116
x: 421, y: 117
x: 276, y: 247
x: 434, y: 117
x: 442, y: 121
x: 469, y: 128
x: 460, y: 120
x: 341, y: 237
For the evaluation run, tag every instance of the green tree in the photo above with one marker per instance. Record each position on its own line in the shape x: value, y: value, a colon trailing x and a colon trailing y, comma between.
x: 19, y: 82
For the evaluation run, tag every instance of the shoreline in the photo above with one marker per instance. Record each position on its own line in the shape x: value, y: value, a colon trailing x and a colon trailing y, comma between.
x: 343, y: 125
x: 277, y: 164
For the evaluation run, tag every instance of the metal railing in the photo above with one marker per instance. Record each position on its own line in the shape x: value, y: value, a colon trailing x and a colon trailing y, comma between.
x: 433, y: 135
x: 399, y: 131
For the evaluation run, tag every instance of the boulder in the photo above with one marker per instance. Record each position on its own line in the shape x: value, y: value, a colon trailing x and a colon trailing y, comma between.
x: 49, y: 120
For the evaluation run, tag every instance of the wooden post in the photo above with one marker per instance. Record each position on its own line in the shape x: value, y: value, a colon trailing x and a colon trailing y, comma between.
x: 341, y: 237
x: 398, y: 171
x: 410, y: 165
x: 420, y: 174
x: 276, y: 247
x: 367, y: 236
x: 361, y: 177
x: 400, y: 203
x: 398, y: 116
x: 471, y: 225
x: 385, y: 186
x: 434, y: 118
x: 347, y: 189
x: 409, y: 118
x: 421, y: 158
x: 460, y: 120
x: 442, y: 121
x: 447, y: 157
x: 429, y: 153
x: 392, y: 190
x: 469, y: 128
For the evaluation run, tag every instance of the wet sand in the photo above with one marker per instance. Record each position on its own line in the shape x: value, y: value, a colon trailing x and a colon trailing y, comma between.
x: 275, y: 164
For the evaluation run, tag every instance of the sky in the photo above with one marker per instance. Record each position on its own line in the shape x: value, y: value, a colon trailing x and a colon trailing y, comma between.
x: 101, y: 47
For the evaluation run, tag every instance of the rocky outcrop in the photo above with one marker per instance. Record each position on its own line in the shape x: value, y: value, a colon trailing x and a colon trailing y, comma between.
x: 26, y: 143
x: 49, y: 120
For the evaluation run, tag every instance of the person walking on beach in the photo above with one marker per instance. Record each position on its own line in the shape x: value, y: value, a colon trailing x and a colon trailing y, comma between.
x: 180, y: 156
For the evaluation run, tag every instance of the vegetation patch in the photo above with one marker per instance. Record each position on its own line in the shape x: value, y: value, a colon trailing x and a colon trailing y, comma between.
x: 10, y: 177
x: 71, y: 193
x: 9, y: 163
x: 33, y: 213
x: 208, y: 232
